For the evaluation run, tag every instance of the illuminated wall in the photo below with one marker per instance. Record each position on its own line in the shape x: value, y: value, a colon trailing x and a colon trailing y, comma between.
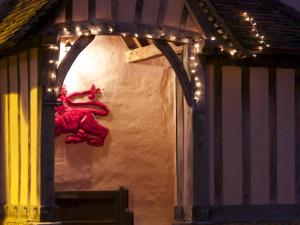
x: 293, y: 3
x: 19, y: 133
x: 140, y: 150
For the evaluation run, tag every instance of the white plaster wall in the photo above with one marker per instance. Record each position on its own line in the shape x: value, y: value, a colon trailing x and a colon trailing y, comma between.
x: 140, y: 150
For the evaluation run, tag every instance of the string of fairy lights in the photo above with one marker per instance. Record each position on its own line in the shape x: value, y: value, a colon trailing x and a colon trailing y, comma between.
x: 53, y: 64
x: 260, y: 39
x: 194, y: 51
x: 96, y: 30
x: 192, y: 41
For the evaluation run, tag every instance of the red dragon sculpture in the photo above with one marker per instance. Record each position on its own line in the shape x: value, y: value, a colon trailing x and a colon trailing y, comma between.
x: 76, y: 118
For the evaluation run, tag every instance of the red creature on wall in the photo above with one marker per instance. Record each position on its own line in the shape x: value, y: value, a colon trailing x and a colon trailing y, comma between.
x: 78, y: 119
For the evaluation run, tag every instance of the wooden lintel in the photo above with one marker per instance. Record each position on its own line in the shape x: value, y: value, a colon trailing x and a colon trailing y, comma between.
x: 148, y: 52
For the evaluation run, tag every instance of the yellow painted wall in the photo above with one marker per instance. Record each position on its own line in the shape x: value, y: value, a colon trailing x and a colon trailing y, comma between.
x: 20, y: 129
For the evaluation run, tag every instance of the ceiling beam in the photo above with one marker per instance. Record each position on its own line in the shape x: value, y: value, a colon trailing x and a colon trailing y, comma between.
x: 148, y: 52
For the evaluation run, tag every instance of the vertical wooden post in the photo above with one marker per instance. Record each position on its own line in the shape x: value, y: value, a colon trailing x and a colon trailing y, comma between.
x: 201, y: 177
x: 273, y: 134
x: 246, y: 135
x: 69, y: 12
x: 2, y: 145
x: 178, y: 211
x: 92, y: 9
x: 199, y: 149
x: 297, y: 135
x: 218, y: 137
x: 47, y: 154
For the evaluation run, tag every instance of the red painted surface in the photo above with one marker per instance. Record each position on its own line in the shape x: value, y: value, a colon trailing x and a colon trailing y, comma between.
x: 76, y: 118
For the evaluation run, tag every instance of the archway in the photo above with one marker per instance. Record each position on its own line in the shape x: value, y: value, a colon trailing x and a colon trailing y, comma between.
x: 140, y: 150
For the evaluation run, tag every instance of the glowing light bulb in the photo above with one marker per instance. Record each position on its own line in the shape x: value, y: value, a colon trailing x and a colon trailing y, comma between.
x: 111, y: 29
x: 52, y: 76
x: 213, y: 38
x: 94, y: 31
x: 173, y: 38
x: 49, y: 90
x: 192, y: 57
x: 66, y: 30
x: 149, y: 36
x: 197, y: 45
x: 233, y: 52
x: 198, y: 84
x: 198, y: 93
x: 136, y: 35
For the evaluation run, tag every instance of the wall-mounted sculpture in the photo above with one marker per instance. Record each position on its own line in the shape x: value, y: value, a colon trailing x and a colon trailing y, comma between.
x: 78, y: 118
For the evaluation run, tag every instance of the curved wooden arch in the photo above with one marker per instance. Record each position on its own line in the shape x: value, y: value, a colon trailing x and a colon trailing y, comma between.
x: 80, y: 44
x: 178, y: 67
x: 83, y: 41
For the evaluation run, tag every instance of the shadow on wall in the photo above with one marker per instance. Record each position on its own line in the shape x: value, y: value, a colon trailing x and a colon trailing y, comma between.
x: 77, y: 159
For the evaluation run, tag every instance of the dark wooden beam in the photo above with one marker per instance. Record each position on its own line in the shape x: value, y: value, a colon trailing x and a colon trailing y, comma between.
x: 138, y: 10
x: 274, y: 214
x: 161, y: 11
x: 273, y: 134
x: 201, y: 175
x: 246, y: 135
x: 131, y: 44
x: 92, y: 9
x: 47, y: 153
x: 200, y: 14
x: 297, y: 135
x: 2, y: 146
x: 178, y: 211
x: 114, y: 9
x: 218, y: 136
x: 178, y: 68
x: 69, y: 12
x: 182, y: 35
x: 80, y: 44
x: 184, y: 17
x: 197, y: 14
x: 274, y: 60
